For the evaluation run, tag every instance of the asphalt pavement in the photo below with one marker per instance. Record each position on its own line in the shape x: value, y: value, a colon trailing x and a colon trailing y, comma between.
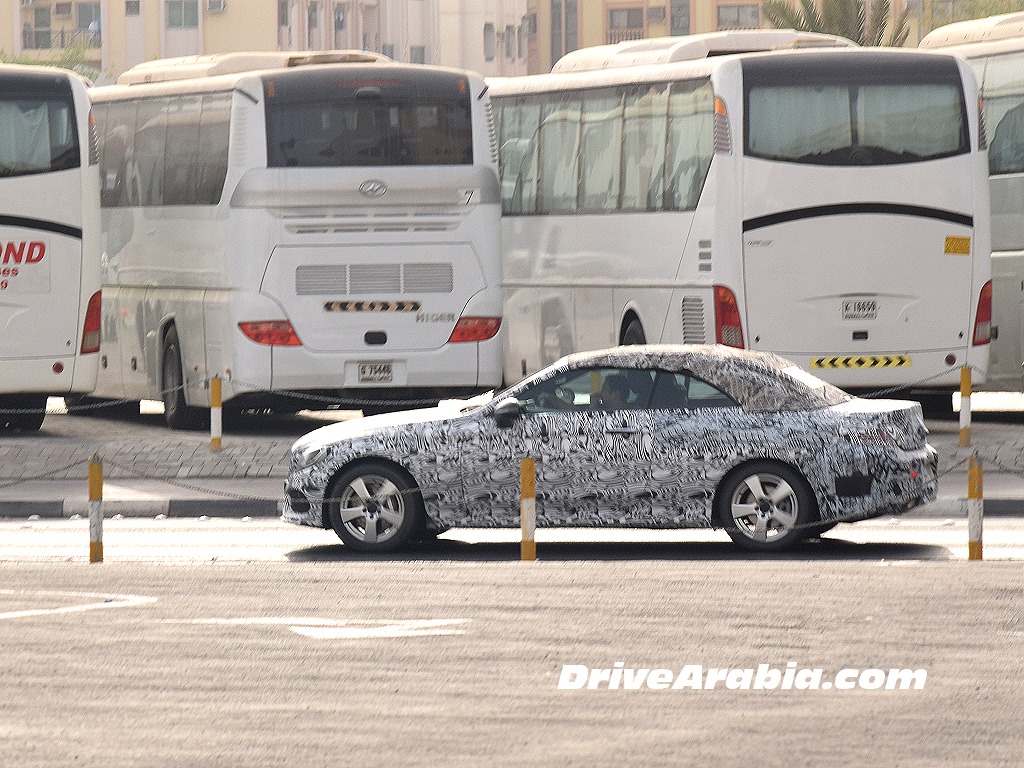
x: 149, y: 470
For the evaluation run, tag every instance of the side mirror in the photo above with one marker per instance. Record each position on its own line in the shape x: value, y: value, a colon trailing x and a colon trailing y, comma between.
x: 507, y: 412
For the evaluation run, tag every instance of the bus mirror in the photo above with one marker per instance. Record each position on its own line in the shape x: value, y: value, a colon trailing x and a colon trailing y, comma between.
x: 506, y: 412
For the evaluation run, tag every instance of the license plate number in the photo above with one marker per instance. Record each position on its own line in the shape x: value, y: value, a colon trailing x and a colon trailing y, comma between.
x: 860, y: 309
x: 375, y: 372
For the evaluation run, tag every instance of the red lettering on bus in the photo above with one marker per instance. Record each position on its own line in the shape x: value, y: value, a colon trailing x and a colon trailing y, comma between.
x: 29, y: 252
x: 36, y: 251
x: 14, y: 251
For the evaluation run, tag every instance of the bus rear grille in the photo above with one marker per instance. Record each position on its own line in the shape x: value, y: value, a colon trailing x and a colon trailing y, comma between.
x: 693, y: 320
x: 355, y: 279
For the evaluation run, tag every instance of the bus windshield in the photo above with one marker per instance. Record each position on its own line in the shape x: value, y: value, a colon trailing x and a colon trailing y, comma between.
x: 37, y: 127
x: 857, y: 116
x: 368, y: 122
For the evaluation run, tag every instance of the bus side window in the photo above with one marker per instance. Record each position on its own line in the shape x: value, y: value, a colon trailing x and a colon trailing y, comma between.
x: 1006, y: 152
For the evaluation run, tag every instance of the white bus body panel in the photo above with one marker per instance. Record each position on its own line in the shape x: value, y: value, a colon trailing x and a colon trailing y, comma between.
x: 790, y: 271
x: 49, y: 269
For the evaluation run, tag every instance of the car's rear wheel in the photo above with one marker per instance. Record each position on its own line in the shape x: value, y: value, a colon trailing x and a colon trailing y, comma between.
x: 765, y: 506
x: 374, y: 507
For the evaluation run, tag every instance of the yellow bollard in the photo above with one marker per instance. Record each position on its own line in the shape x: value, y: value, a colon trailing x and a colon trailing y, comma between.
x: 965, y: 407
x: 528, y: 508
x: 216, y: 415
x: 95, y: 509
x: 975, y: 507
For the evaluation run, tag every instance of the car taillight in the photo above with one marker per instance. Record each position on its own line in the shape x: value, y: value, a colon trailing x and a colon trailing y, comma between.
x: 93, y: 324
x: 475, y: 329
x: 275, y: 333
x: 728, y: 328
x: 983, y: 320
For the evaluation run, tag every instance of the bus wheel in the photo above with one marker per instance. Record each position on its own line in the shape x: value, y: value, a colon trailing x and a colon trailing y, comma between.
x: 177, y: 413
x: 31, y: 420
x: 634, y: 333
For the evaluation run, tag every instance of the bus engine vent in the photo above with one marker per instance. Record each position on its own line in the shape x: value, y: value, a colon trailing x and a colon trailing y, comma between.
x: 393, y: 279
x: 693, y: 320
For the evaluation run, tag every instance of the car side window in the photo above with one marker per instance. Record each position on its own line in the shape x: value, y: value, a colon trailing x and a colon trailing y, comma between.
x: 684, y: 391
x: 590, y: 389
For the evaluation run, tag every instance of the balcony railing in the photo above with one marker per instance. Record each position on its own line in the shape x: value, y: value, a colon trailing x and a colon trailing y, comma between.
x: 46, y: 39
x: 620, y: 35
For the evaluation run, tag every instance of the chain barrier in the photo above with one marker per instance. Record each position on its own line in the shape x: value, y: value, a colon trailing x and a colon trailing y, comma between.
x: 44, y: 476
x: 180, y: 484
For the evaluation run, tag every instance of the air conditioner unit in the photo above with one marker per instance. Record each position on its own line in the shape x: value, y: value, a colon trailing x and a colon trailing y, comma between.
x: 215, y: 6
x: 26, y: 3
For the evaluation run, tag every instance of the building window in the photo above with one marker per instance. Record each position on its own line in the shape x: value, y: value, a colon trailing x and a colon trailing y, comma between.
x: 283, y: 17
x: 418, y: 54
x: 739, y: 17
x: 680, y: 21
x: 62, y: 10
x: 313, y: 15
x: 132, y: 7
x: 89, y: 17
x: 490, y: 42
x: 510, y: 43
x: 625, y: 24
x: 182, y: 14
x: 388, y: 49
x: 42, y: 18
x: 564, y: 28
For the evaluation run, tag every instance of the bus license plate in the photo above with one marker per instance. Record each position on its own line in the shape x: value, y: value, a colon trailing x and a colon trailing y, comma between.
x: 860, y: 309
x: 375, y: 372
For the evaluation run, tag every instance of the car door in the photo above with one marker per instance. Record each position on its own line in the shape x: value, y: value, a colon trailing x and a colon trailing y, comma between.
x: 690, y: 447
x: 593, y: 457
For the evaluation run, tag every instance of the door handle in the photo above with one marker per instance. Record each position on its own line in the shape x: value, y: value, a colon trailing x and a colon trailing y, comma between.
x: 622, y: 430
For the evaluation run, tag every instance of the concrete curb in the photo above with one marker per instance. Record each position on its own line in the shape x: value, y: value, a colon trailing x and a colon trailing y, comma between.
x: 944, y: 507
x: 141, y: 508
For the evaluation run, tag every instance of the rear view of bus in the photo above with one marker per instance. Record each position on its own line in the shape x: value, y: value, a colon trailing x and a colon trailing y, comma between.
x: 49, y: 243
x: 865, y: 215
x: 315, y: 229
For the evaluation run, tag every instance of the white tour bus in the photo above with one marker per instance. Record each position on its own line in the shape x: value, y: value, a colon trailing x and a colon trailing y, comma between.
x: 314, y: 229
x: 49, y: 242
x: 830, y: 205
x: 995, y: 49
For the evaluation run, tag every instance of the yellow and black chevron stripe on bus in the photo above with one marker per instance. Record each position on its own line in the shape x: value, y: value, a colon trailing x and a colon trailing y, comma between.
x: 862, y: 361
x: 372, y: 306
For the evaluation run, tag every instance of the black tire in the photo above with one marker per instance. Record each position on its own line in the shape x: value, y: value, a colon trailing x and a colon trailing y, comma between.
x: 633, y: 334
x: 177, y: 413
x: 374, y: 506
x: 765, y: 506
x: 83, y: 405
x: 30, y: 421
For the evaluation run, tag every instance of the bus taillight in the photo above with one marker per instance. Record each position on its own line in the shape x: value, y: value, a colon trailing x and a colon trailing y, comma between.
x: 92, y: 325
x: 983, y: 320
x: 475, y: 329
x: 728, y: 328
x: 274, y: 333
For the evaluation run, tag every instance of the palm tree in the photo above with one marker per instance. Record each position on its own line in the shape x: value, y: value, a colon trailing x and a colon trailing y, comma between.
x: 847, y: 18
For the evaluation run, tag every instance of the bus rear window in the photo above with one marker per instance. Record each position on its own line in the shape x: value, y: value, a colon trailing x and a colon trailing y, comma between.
x: 856, y: 115
x: 37, y: 127
x: 368, y: 123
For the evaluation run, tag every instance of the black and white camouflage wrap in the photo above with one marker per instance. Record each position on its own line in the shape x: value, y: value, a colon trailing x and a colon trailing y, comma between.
x: 634, y: 468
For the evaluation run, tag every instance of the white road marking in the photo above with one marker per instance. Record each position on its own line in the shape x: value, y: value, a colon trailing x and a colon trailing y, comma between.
x: 350, y: 629
x: 108, y: 601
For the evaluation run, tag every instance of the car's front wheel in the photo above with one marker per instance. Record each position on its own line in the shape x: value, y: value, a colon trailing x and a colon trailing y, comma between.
x: 374, y: 507
x: 765, y: 506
